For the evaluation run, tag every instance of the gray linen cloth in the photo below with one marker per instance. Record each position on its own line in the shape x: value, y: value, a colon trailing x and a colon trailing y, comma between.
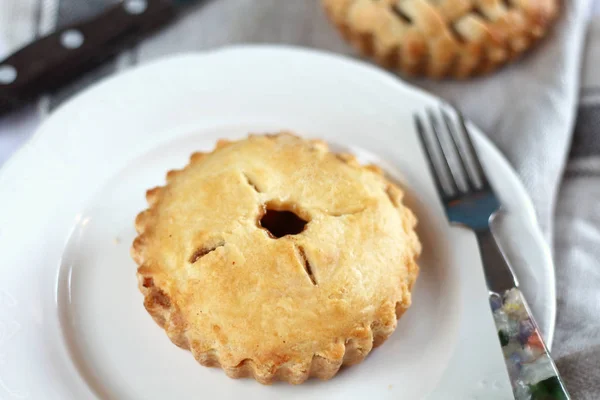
x: 527, y: 109
x: 577, y: 241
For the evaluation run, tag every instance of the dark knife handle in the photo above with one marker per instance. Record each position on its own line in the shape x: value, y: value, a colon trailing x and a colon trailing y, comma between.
x: 58, y: 58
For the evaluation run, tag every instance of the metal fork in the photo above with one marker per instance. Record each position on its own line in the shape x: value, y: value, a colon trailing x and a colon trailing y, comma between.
x: 473, y: 204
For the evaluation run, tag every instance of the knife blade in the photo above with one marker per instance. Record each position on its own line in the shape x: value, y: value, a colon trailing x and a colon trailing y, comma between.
x: 58, y: 58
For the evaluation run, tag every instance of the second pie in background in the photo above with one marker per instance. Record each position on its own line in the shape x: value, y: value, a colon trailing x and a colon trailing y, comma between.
x: 442, y: 38
x: 274, y: 258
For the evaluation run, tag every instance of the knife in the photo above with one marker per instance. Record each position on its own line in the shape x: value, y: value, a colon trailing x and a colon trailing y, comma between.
x: 56, y: 59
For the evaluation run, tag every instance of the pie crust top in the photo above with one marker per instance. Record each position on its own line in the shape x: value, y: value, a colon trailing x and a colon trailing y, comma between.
x: 442, y: 38
x: 222, y: 277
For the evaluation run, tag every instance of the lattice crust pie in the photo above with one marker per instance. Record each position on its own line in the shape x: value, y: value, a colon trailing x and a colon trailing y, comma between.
x: 274, y: 258
x: 442, y: 38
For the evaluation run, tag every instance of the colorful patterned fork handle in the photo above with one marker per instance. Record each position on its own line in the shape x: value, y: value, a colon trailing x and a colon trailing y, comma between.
x: 532, y: 372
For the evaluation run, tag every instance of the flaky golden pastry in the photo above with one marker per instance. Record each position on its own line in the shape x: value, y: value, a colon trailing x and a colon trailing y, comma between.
x: 442, y: 38
x: 274, y: 258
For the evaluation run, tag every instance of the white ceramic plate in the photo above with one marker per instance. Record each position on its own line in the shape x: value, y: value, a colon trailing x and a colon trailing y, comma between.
x: 72, y: 324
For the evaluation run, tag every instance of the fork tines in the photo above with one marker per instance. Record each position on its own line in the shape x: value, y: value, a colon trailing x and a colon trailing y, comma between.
x: 451, y: 154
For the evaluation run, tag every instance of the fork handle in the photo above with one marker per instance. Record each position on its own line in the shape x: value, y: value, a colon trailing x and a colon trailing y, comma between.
x: 532, y: 372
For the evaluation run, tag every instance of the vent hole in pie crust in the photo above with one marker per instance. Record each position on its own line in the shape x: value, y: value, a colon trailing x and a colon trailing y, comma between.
x: 307, y: 266
x: 402, y: 15
x: 457, y: 35
x: 280, y: 222
x: 148, y: 283
x: 251, y: 183
x: 478, y: 11
x: 202, y: 251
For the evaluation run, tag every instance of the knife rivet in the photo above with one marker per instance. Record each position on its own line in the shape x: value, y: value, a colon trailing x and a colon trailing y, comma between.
x: 71, y: 39
x: 136, y: 6
x: 8, y: 74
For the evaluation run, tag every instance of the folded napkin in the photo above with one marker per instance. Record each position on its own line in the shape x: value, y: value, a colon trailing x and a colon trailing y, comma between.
x: 527, y: 109
x: 577, y: 241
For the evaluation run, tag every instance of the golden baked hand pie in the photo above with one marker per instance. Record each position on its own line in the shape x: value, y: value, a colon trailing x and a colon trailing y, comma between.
x: 442, y: 38
x: 274, y: 258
